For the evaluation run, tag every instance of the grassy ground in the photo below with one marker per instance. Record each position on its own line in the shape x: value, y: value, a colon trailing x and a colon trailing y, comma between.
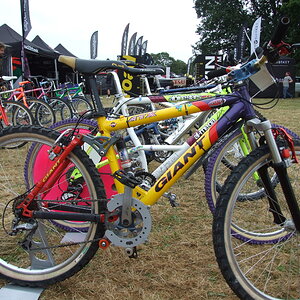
x: 178, y: 262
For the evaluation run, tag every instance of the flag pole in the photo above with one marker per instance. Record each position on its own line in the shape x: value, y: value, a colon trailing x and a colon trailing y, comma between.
x: 26, y: 27
x: 23, y: 39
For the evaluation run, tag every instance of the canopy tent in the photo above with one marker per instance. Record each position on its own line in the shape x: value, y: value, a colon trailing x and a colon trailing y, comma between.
x: 72, y: 77
x: 39, y: 42
x: 63, y: 72
x: 40, y: 60
x: 40, y: 57
x: 61, y: 49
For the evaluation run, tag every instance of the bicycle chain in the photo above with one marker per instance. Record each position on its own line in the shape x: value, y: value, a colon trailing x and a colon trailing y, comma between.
x: 67, y: 244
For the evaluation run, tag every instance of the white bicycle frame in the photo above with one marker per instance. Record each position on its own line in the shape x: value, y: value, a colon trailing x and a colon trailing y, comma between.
x: 171, y: 142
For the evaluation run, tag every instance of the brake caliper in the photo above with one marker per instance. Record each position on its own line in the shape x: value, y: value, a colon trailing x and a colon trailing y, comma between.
x: 285, y: 153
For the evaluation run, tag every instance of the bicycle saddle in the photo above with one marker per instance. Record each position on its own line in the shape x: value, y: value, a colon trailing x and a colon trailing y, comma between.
x: 8, y: 78
x: 93, y: 66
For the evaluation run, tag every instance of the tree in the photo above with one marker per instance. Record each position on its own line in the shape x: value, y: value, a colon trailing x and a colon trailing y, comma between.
x: 165, y: 60
x: 179, y: 67
x: 292, y: 9
x: 220, y: 21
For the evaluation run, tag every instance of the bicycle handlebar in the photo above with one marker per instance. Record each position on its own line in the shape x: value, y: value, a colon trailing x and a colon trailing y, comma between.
x: 280, y: 31
x: 217, y: 73
x: 269, y: 54
x: 93, y: 66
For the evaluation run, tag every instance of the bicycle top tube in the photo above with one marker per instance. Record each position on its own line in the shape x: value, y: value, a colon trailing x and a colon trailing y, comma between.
x: 240, y: 95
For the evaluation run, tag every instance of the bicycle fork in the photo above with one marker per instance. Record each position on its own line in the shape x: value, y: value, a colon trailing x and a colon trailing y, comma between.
x: 280, y: 165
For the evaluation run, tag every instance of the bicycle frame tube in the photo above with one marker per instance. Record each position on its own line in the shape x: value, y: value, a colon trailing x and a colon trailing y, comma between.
x: 198, y: 144
x: 3, y: 115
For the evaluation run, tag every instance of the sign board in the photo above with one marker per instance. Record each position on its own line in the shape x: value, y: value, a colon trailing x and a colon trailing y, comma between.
x: 205, y: 64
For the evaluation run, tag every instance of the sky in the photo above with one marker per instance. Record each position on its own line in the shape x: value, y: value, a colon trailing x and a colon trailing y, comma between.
x: 168, y: 25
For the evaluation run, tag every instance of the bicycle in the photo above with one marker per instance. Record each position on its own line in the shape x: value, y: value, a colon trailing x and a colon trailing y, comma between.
x: 41, y: 91
x: 146, y: 142
x: 156, y: 140
x: 125, y: 220
x: 73, y: 95
x: 11, y: 112
x: 42, y: 112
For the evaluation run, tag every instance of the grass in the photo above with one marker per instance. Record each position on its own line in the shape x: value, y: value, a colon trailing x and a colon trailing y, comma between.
x: 178, y: 262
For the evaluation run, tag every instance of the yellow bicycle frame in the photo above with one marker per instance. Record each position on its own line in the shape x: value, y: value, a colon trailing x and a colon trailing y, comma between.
x: 191, y: 155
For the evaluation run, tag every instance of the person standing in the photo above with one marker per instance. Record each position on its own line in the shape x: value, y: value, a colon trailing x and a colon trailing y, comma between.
x: 2, y: 51
x: 286, y: 84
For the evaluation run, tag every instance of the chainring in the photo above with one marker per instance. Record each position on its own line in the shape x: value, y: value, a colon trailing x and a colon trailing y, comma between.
x: 135, y: 234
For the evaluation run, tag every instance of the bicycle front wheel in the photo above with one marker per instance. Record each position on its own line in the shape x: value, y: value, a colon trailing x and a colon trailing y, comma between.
x: 17, y: 113
x: 36, y: 252
x: 228, y: 153
x: 268, y: 268
x: 42, y: 112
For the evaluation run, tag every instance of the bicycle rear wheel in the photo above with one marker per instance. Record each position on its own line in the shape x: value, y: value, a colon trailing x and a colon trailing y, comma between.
x: 80, y: 105
x: 270, y: 267
x: 17, y: 113
x: 61, y: 108
x: 37, y: 252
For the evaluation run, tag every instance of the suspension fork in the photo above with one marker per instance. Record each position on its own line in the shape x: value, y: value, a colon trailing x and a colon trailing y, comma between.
x: 280, y: 168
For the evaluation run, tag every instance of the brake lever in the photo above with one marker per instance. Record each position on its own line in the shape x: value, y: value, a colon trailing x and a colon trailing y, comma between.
x: 295, y: 46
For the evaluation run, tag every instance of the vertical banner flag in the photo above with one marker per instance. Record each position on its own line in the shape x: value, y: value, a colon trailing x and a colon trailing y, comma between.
x: 240, y: 44
x: 132, y: 44
x: 124, y: 40
x: 255, y: 34
x: 26, y: 24
x: 138, y: 46
x: 94, y: 45
x: 189, y: 65
x: 144, y: 48
x: 26, y: 27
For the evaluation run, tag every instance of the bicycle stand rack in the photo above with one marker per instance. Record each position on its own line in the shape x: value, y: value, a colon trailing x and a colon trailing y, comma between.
x: 15, y: 292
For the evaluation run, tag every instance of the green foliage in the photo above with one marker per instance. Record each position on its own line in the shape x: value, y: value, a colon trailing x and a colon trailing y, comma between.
x: 179, y: 67
x: 164, y: 59
x: 220, y: 22
x: 292, y: 9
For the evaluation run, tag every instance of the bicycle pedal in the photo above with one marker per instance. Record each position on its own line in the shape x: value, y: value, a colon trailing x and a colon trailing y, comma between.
x: 172, y: 199
x: 131, y: 252
x: 127, y: 178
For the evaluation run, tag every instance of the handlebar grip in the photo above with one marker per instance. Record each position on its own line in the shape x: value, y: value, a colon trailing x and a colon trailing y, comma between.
x: 280, y: 30
x: 216, y: 73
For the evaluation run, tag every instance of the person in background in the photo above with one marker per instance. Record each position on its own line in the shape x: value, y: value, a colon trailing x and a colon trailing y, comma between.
x: 286, y: 84
x: 2, y: 50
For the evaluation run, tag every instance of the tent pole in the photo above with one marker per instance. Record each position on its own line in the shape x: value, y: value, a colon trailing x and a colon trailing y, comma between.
x: 56, y: 71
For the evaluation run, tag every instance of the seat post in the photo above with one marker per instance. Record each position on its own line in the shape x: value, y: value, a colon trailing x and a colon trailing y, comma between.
x: 91, y: 80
